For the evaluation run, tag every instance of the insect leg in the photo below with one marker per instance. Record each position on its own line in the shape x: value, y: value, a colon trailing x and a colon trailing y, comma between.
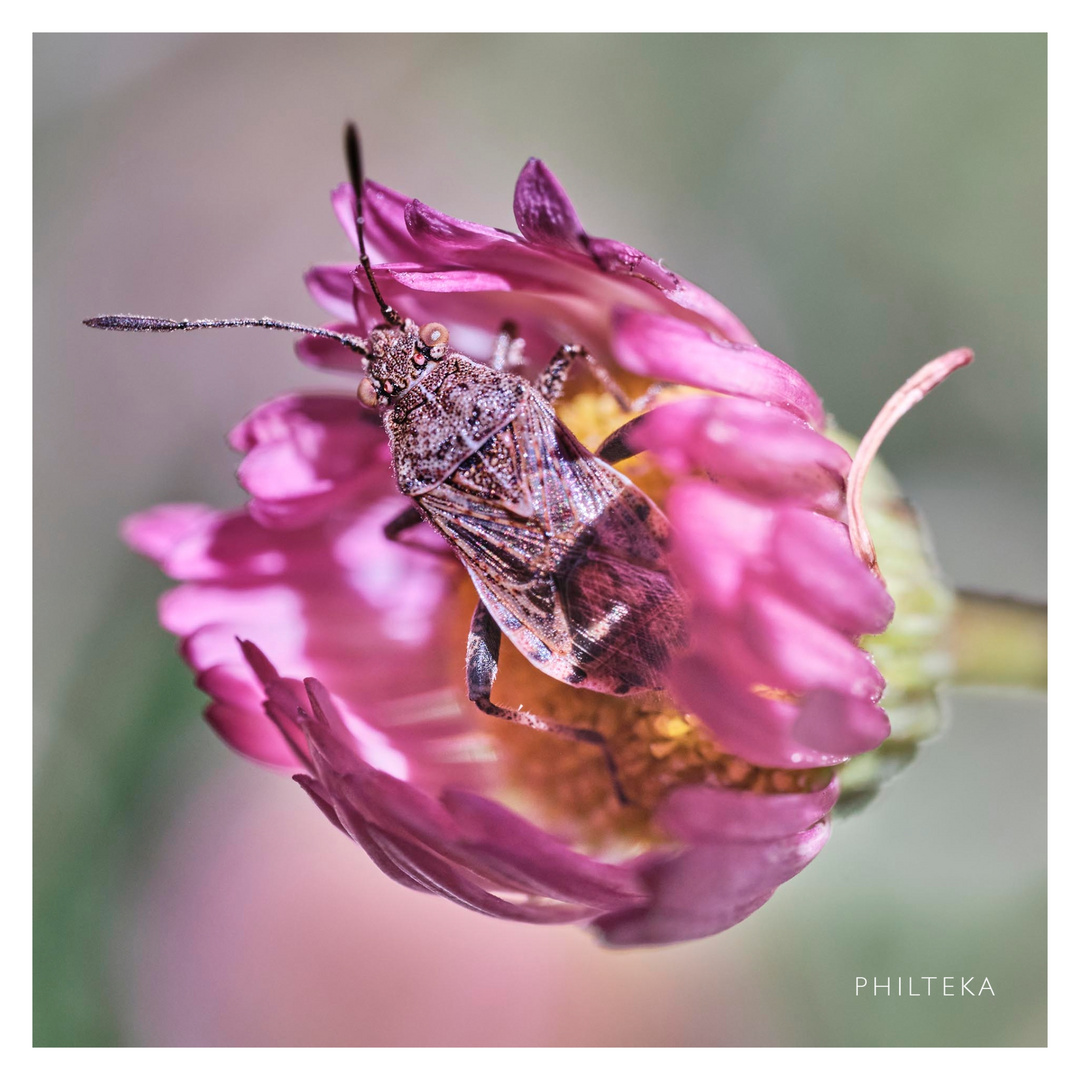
x: 618, y: 446
x: 481, y: 666
x: 553, y: 378
x: 407, y: 519
x: 508, y: 348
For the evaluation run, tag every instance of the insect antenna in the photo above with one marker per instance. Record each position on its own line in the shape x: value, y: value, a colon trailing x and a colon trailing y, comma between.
x: 355, y: 161
x: 154, y: 325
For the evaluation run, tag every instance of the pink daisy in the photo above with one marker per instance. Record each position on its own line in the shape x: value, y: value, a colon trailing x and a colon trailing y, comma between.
x: 334, y: 653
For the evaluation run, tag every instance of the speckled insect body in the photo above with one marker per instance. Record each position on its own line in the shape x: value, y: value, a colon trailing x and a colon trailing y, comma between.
x: 568, y: 557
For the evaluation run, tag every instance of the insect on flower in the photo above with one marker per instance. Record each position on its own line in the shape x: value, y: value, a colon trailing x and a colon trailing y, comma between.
x: 568, y: 557
x: 696, y: 631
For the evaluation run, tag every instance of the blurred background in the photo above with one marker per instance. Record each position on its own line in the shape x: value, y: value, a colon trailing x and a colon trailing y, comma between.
x: 862, y: 202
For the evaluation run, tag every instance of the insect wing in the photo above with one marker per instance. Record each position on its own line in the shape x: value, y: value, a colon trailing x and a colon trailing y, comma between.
x: 568, y: 556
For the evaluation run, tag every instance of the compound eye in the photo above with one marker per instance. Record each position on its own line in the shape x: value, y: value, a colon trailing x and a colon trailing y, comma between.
x: 434, y: 333
x: 366, y: 393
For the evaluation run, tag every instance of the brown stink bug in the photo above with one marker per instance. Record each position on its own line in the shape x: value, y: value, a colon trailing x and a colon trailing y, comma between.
x: 568, y: 557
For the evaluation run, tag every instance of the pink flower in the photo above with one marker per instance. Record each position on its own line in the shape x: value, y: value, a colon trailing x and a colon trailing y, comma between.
x: 730, y: 774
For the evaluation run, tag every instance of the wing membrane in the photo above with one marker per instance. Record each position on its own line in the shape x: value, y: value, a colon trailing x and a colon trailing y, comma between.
x: 574, y: 567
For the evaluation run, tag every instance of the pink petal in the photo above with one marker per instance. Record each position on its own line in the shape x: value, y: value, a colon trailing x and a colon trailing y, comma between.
x: 353, y: 824
x: 308, y: 455
x: 248, y: 732
x: 840, y: 724
x: 343, y: 200
x: 238, y: 718
x: 709, y: 888
x: 704, y: 815
x: 546, y: 216
x: 543, y: 211
x: 438, y: 234
x: 156, y: 532
x: 400, y: 808
x: 333, y: 288
x: 670, y: 350
x: 329, y: 355
x: 822, y: 573
x: 449, y: 281
x: 444, y: 878
x: 803, y: 652
x: 503, y: 843
x: 749, y: 447
x: 615, y: 257
x: 208, y: 545
x: 691, y: 298
x: 746, y: 724
x: 386, y: 236
x: 321, y: 798
x: 716, y: 538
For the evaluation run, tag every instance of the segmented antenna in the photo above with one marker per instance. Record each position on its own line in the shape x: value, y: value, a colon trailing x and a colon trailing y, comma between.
x: 154, y: 325
x: 356, y: 176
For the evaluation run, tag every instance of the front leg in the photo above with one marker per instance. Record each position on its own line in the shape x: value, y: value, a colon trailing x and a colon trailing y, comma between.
x: 481, y: 666
x: 408, y: 517
x: 552, y: 380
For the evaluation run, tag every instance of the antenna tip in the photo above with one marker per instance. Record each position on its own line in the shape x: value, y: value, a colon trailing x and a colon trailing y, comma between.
x: 132, y: 322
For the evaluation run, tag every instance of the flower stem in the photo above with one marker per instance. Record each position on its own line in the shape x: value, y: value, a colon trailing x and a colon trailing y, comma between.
x: 998, y: 641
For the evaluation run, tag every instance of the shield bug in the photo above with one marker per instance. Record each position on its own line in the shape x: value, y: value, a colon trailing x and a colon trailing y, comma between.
x: 568, y: 557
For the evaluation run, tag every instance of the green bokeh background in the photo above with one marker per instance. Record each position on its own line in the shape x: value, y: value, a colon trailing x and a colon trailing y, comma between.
x: 862, y: 202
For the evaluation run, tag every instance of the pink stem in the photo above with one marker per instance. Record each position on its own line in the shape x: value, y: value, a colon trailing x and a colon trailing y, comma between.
x: 914, y: 390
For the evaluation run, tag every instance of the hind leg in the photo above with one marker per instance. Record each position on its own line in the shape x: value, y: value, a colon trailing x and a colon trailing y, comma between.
x: 481, y: 666
x: 619, y: 445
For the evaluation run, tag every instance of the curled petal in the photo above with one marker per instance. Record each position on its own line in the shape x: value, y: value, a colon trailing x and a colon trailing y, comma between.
x: 911, y: 393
